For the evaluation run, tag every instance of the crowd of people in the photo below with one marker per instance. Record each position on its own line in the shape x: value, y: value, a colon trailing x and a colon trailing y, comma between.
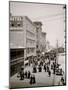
x: 26, y: 75
x: 42, y: 66
x: 39, y: 65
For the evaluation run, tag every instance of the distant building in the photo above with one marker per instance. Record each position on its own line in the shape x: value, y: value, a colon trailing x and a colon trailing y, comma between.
x: 48, y: 48
x: 38, y: 36
x: 60, y: 50
x: 43, y: 42
x: 22, y: 40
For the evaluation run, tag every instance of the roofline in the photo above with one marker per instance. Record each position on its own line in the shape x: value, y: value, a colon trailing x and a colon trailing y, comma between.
x: 25, y: 17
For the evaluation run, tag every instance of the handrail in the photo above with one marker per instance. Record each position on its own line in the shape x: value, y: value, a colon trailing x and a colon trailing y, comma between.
x: 16, y: 59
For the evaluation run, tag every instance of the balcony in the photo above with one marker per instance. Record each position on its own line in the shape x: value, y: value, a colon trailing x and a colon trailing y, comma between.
x: 16, y: 28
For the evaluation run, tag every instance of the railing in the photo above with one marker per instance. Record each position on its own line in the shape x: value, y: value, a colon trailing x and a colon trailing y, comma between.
x: 16, y: 61
x: 16, y: 28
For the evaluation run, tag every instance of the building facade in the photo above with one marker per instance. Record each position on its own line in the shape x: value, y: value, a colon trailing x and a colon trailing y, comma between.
x: 30, y: 38
x: 38, y: 26
x: 43, y: 42
x: 22, y: 39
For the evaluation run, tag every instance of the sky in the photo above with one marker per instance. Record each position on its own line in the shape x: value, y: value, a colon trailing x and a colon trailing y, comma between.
x: 52, y: 17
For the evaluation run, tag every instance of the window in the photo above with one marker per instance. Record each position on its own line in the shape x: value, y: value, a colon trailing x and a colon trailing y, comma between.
x: 12, y: 25
x: 15, y: 24
x: 19, y: 24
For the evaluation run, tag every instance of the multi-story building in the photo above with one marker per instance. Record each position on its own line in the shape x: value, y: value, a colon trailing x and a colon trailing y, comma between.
x: 43, y: 42
x: 22, y: 41
x: 48, y: 46
x: 38, y: 36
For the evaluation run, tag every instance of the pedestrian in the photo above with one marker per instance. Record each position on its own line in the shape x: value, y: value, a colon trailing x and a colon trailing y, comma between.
x: 21, y: 75
x: 54, y: 68
x: 33, y: 79
x: 34, y: 69
x: 49, y: 62
x: 49, y: 73
x: 29, y: 62
x: 29, y: 74
x: 25, y: 74
x: 51, y: 66
x: 45, y: 67
x: 41, y: 63
x: 40, y: 68
x: 62, y: 80
x: 61, y: 71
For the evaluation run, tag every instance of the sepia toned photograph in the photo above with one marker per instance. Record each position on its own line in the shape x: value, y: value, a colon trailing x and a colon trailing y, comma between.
x: 37, y: 44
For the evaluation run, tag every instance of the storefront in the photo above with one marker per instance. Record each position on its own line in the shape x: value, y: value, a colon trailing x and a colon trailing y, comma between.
x: 16, y: 60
